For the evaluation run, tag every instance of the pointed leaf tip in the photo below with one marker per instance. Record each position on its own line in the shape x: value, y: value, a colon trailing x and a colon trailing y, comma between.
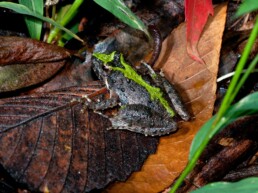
x: 196, y: 14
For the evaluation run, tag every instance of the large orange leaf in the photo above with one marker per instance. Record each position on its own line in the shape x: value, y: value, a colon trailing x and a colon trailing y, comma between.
x: 197, y: 85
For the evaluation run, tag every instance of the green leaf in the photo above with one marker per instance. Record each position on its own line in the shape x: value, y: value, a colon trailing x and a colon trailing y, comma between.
x: 62, y: 12
x: 68, y: 15
x: 59, y: 17
x: 65, y: 37
x: 247, y: 106
x: 121, y: 11
x: 26, y: 11
x: 248, y: 185
x: 34, y: 25
x: 246, y: 7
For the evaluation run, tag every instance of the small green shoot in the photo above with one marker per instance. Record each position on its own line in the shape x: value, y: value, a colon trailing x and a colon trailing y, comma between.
x: 26, y: 11
x: 122, y: 12
x: 34, y: 25
x: 67, y: 17
x: 234, y: 86
x: 62, y: 37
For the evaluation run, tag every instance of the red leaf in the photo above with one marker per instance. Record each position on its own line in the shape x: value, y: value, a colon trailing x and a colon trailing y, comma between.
x: 196, y: 14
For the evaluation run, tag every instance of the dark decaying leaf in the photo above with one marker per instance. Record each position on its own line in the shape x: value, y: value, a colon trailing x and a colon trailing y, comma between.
x: 25, y: 62
x: 50, y: 142
x: 13, y: 77
x: 28, y: 51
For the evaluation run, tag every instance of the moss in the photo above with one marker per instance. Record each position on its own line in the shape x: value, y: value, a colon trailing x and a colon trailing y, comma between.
x: 155, y: 92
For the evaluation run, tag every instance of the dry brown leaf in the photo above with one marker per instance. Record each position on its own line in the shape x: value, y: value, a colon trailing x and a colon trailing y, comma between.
x: 29, y: 51
x: 197, y: 85
x: 25, y: 62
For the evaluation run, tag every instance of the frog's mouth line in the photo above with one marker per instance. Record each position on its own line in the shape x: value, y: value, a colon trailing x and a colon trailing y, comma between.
x: 155, y: 92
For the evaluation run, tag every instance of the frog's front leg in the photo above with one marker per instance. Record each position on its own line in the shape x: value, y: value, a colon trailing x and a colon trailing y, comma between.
x: 100, y: 100
x: 142, y: 119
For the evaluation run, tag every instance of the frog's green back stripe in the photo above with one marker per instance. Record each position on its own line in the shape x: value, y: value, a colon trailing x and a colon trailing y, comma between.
x: 106, y: 58
x: 130, y: 73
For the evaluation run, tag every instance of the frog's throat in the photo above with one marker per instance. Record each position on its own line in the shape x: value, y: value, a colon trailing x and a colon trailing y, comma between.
x: 155, y: 92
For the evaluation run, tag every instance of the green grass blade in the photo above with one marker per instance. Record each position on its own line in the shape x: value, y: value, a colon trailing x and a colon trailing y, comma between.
x: 61, y: 13
x: 65, y: 37
x: 249, y: 70
x: 205, y: 133
x: 226, y: 114
x: 121, y: 11
x: 34, y: 25
x: 67, y: 17
x: 26, y: 11
x: 247, y: 106
x: 228, y: 99
x: 74, y: 27
x: 248, y: 185
x: 246, y: 7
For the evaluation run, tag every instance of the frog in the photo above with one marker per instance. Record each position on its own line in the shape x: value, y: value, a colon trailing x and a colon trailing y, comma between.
x: 148, y: 103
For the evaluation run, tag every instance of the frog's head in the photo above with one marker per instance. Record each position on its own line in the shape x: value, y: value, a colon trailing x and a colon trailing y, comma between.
x: 109, y: 60
x: 102, y: 63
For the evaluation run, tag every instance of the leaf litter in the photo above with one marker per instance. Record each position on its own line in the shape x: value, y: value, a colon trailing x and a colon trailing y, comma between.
x: 49, y: 141
x: 197, y: 86
x: 25, y: 62
x: 160, y: 169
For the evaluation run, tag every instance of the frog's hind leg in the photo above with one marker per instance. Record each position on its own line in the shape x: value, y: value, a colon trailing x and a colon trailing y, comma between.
x: 142, y: 119
x: 171, y: 92
x: 176, y: 100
